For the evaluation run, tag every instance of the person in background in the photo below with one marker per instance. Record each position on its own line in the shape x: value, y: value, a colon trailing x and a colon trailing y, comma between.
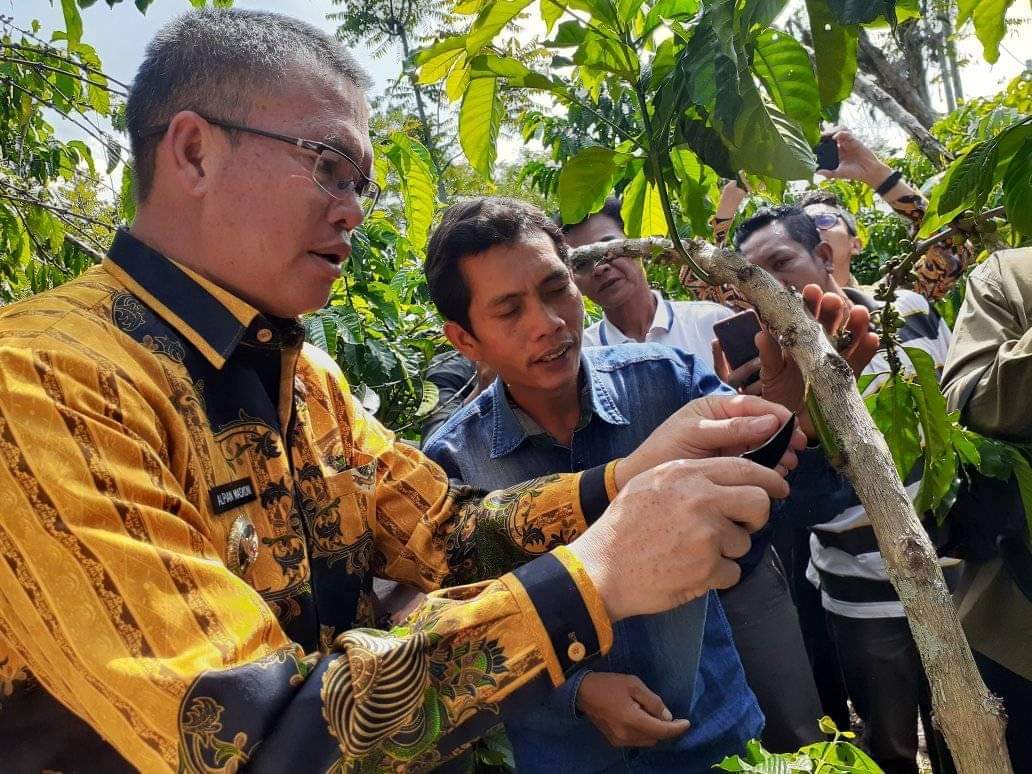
x: 760, y: 608
x: 988, y: 377
x: 880, y: 662
x: 631, y: 310
x: 937, y: 271
x: 458, y: 381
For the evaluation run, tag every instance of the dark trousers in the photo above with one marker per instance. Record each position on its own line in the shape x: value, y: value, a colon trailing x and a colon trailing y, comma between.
x: 887, y: 685
x: 793, y: 546
x: 1016, y: 693
x: 766, y: 631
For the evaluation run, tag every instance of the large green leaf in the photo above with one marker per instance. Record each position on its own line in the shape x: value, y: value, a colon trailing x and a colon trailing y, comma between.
x: 834, y: 48
x: 940, y: 459
x: 666, y: 10
x: 586, y: 180
x: 490, y: 21
x: 73, y: 22
x: 706, y: 143
x: 989, y: 17
x: 783, y: 67
x: 894, y: 412
x: 1017, y: 189
x: 480, y: 118
x: 697, y: 186
x: 551, y: 12
x: 969, y: 178
x: 863, y: 11
x: 514, y: 71
x: 766, y: 142
x: 642, y: 210
x: 418, y: 184
x: 435, y: 62
x: 606, y: 54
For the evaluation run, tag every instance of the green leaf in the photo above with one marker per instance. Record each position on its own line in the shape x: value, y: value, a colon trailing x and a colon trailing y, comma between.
x: 783, y: 67
x: 73, y: 22
x: 697, y: 189
x: 514, y: 71
x: 490, y: 21
x: 603, y: 53
x: 940, y: 460
x: 435, y: 62
x: 969, y: 178
x: 642, y: 210
x: 862, y: 11
x: 430, y: 399
x: 666, y: 10
x: 568, y: 35
x: 766, y: 142
x: 418, y: 185
x: 706, y: 143
x: 551, y: 12
x: 1017, y: 190
x: 586, y: 180
x: 835, y: 48
x: 894, y: 412
x: 126, y: 199
x: 480, y: 118
x: 989, y: 17
x: 627, y: 10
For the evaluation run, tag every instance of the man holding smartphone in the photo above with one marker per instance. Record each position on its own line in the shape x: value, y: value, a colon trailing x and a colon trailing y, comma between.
x: 760, y: 608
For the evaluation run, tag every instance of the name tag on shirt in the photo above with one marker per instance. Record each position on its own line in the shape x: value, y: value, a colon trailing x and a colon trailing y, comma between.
x: 229, y: 496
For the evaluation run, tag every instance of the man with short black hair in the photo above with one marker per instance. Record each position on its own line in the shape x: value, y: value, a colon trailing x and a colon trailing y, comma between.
x: 631, y: 310
x: 557, y: 408
x: 880, y: 662
x: 195, y: 504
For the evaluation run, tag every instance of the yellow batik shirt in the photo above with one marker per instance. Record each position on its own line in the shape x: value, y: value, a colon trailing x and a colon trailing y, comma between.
x: 193, y: 507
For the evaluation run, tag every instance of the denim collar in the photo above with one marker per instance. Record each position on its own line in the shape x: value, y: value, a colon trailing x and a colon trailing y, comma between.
x: 209, y: 317
x: 509, y: 433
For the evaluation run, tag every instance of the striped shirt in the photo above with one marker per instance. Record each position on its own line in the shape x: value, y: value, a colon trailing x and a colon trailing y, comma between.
x: 844, y: 559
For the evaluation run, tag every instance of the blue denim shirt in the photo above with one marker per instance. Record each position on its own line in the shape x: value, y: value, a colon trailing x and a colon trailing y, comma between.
x: 686, y: 655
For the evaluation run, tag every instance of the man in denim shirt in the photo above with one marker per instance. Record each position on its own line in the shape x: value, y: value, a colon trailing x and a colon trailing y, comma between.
x: 591, y: 406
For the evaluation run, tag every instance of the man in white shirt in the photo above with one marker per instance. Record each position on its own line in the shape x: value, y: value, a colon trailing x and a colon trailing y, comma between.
x: 633, y: 311
x: 760, y: 609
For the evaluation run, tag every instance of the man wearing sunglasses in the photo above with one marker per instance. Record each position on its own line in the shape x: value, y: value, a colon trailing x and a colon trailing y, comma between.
x: 195, y: 504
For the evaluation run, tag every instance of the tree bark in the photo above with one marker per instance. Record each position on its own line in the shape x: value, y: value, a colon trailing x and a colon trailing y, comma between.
x: 889, y: 76
x: 971, y: 719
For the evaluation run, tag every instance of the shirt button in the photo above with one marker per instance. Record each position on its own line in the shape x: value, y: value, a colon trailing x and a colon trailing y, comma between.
x: 576, y: 651
x: 264, y: 335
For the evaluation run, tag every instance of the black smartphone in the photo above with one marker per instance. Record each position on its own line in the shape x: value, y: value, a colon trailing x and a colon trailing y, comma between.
x: 827, y: 153
x: 770, y: 452
x: 737, y: 336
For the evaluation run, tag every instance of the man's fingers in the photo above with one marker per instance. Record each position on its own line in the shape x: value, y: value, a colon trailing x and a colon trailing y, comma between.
x: 653, y: 729
x: 728, y: 406
x: 726, y: 574
x: 739, y: 377
x: 772, y: 357
x: 734, y: 472
x: 830, y: 313
x: 720, y: 365
x: 735, y: 435
x: 734, y: 541
x: 649, y: 701
x: 748, y: 506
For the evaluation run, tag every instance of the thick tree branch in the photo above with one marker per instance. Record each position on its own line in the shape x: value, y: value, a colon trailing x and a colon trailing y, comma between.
x: 969, y: 716
x: 877, y: 96
x: 873, y: 62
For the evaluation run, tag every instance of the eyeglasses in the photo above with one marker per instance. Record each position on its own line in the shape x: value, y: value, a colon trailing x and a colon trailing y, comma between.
x: 334, y: 171
x: 825, y: 220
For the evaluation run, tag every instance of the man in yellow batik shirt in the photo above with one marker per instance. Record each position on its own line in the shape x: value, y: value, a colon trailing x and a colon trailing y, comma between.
x: 194, y: 505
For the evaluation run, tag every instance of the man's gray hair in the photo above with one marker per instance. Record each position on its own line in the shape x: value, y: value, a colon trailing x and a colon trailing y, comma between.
x: 214, y: 61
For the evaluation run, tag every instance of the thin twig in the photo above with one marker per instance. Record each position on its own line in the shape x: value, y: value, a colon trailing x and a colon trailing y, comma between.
x: 51, y: 68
